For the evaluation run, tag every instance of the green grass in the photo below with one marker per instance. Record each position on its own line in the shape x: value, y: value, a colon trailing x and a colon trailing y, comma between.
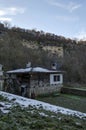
x: 68, y: 101
x: 31, y: 118
x: 3, y: 98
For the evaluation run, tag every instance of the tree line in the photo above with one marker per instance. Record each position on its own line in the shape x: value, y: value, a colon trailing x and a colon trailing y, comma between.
x: 13, y: 53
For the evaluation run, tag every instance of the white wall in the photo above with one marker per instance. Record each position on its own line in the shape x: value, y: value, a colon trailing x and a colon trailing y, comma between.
x: 57, y: 82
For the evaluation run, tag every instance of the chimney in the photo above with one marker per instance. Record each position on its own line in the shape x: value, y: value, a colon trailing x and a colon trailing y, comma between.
x: 54, y: 66
x: 28, y: 65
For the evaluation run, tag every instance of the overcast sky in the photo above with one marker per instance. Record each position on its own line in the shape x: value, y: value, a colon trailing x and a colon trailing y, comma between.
x: 61, y: 17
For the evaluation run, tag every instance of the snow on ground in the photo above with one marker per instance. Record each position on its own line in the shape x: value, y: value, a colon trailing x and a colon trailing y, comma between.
x: 25, y: 102
x: 4, y: 107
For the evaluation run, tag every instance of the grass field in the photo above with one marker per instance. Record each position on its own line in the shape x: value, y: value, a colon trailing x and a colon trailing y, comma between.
x: 68, y: 101
x: 19, y: 117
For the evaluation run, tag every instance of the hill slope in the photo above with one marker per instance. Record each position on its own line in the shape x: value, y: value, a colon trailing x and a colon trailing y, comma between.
x: 19, y: 46
x: 31, y: 114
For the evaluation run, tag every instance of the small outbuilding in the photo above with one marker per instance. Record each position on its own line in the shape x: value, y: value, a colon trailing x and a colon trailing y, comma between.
x: 37, y: 80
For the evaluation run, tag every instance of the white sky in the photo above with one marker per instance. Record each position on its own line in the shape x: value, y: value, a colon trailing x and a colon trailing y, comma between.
x: 61, y: 17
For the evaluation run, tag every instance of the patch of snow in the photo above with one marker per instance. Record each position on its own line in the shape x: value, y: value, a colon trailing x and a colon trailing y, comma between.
x: 16, y: 71
x: 43, y: 114
x: 25, y: 102
x: 35, y: 69
x: 39, y: 69
x: 4, y: 107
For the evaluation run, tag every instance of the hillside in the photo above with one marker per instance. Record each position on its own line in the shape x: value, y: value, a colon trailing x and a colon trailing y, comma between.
x: 16, y: 49
x: 32, y: 114
x: 19, y: 46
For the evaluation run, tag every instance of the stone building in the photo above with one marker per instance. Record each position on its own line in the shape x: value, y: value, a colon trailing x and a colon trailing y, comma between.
x: 37, y: 80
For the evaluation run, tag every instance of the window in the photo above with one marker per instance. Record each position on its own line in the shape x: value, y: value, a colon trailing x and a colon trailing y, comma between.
x: 56, y: 78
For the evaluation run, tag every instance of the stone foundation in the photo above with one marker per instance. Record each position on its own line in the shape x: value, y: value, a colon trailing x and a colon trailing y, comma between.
x: 41, y: 87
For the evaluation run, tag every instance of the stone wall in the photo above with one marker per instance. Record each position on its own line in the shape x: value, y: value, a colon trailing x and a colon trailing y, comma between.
x: 43, y: 87
x: 74, y: 91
